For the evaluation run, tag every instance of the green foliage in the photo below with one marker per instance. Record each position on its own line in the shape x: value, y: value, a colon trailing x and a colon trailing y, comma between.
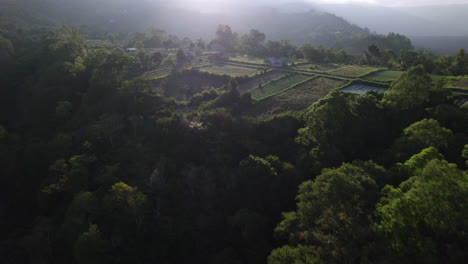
x: 423, y: 221
x: 86, y: 143
x: 126, y: 204
x: 420, y: 135
x: 292, y: 255
x: 123, y: 196
x: 411, y: 89
x: 420, y: 160
x: 428, y: 132
x: 91, y: 248
x: 329, y: 209
x: 6, y: 46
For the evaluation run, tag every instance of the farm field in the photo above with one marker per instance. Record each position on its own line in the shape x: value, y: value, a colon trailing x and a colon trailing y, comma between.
x: 247, y: 59
x: 159, y: 73
x: 231, y: 70
x: 352, y: 71
x: 461, y: 83
x: 316, y: 67
x: 362, y: 89
x: 260, y: 79
x: 384, y: 76
x: 437, y: 78
x: 297, y: 98
x: 277, y: 86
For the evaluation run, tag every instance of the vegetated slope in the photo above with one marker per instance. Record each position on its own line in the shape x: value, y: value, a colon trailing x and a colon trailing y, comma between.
x: 183, y: 85
x: 297, y: 98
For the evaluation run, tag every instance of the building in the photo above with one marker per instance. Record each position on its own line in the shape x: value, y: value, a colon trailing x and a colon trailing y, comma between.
x: 131, y: 50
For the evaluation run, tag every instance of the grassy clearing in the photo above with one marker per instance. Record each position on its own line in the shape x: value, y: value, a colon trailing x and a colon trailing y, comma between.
x: 157, y: 74
x: 231, y: 70
x: 277, y: 86
x: 353, y: 71
x: 384, y: 76
x: 316, y: 67
x: 261, y: 79
x: 437, y: 78
x: 458, y: 83
x: 461, y: 83
x: 247, y: 59
x: 297, y: 98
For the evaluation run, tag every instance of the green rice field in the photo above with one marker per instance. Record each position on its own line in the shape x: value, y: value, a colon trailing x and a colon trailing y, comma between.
x: 384, y: 76
x: 277, y: 86
x: 352, y: 71
x: 231, y: 70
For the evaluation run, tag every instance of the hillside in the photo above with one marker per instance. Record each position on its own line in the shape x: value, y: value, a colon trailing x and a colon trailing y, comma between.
x: 306, y: 26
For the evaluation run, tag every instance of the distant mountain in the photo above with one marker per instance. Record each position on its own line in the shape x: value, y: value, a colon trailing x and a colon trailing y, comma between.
x: 298, y: 22
x: 443, y: 20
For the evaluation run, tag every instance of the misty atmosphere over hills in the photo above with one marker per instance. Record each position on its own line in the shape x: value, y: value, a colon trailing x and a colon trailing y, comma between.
x: 233, y: 132
x: 430, y: 25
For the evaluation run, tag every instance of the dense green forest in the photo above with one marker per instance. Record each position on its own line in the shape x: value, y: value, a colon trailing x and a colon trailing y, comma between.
x: 103, y: 163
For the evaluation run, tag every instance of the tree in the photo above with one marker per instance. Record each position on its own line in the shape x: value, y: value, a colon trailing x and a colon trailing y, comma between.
x: 225, y: 37
x: 460, y: 63
x: 292, y: 255
x: 427, y: 133
x: 127, y: 202
x: 91, y: 248
x: 411, y: 90
x: 314, y: 54
x: 332, y: 213
x: 252, y: 43
x: 420, y: 135
x: 181, y: 58
x: 423, y: 219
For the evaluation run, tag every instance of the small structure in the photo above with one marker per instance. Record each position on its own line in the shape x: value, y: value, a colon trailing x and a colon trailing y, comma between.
x: 277, y: 62
x: 131, y: 50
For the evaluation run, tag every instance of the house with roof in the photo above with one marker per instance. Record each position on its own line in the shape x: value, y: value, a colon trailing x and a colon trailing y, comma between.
x: 131, y: 50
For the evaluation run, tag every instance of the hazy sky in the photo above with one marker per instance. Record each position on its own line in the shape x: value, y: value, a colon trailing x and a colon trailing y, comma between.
x: 377, y: 2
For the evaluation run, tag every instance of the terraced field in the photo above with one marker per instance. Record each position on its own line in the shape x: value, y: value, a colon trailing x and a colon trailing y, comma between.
x: 159, y: 73
x: 384, y: 76
x: 260, y: 80
x: 437, y: 78
x: 352, y: 71
x: 461, y: 83
x: 231, y: 70
x: 297, y: 98
x: 247, y: 59
x: 316, y: 67
x: 277, y: 86
x: 362, y: 89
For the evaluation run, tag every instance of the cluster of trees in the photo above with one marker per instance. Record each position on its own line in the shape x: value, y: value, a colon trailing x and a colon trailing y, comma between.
x: 103, y: 166
x: 451, y: 65
x: 410, y: 210
x: 255, y: 44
